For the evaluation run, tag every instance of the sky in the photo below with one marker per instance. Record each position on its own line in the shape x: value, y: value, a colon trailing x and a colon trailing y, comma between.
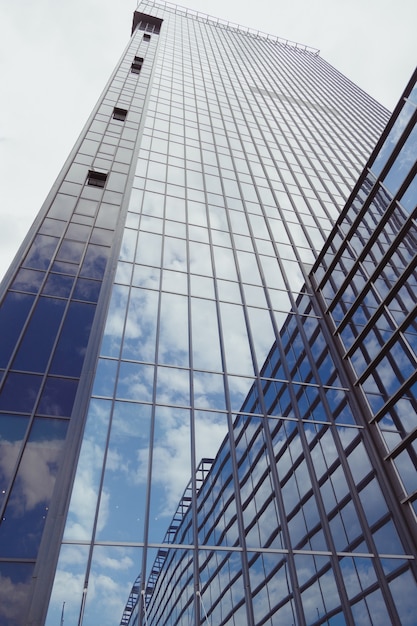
x: 56, y: 57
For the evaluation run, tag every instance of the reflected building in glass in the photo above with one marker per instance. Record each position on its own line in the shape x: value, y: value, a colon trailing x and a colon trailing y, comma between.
x: 208, y: 400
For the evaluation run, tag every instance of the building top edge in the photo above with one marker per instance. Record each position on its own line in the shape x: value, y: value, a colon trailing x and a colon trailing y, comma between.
x: 205, y: 17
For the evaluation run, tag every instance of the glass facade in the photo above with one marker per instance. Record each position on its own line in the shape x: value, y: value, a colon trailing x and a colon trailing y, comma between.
x: 367, y: 282
x: 207, y: 402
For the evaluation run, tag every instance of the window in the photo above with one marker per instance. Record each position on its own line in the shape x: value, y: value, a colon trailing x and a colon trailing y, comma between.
x: 142, y: 21
x: 96, y: 179
x: 146, y: 37
x: 119, y: 114
x: 136, y: 65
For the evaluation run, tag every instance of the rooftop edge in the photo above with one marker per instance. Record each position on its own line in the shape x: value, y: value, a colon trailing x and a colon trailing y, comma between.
x: 204, y: 17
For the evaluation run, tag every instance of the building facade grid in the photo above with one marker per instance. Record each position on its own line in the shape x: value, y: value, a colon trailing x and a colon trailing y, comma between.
x: 171, y: 315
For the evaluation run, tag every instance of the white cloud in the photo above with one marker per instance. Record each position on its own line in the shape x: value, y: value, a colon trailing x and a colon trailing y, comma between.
x: 85, y: 490
x: 115, y: 562
x: 13, y: 596
x: 171, y: 463
x: 113, y: 570
x: 37, y: 472
x: 84, y: 495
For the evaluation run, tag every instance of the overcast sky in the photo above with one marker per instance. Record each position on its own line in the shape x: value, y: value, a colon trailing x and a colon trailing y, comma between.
x: 55, y: 58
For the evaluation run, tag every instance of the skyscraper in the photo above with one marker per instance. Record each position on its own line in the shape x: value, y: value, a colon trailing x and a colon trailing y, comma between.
x: 189, y: 339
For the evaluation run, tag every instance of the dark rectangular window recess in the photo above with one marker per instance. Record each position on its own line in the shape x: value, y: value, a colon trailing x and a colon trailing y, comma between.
x: 136, y: 65
x: 142, y: 21
x: 146, y: 37
x: 96, y: 179
x: 119, y: 114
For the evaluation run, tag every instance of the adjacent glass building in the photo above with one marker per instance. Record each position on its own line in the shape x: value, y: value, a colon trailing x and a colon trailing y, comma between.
x: 208, y: 356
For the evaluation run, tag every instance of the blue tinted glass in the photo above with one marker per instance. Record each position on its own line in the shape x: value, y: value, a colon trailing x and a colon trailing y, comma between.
x: 27, y: 508
x: 393, y: 138
x: 58, y: 396
x: 87, y: 290
x: 19, y: 392
x: 402, y: 164
x: 64, y: 268
x: 95, y: 261
x: 12, y: 432
x: 409, y: 199
x: 50, y: 430
x: 28, y: 280
x: 13, y: 314
x: 12, y: 427
x: 70, y: 351
x: 58, y: 285
x: 70, y: 251
x: 41, y: 252
x: 35, y: 348
x: 15, y: 580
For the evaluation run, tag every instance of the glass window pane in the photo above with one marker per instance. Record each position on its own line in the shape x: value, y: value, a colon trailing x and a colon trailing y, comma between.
x: 35, y: 348
x: 27, y: 508
x: 11, y: 396
x: 13, y: 312
x: 58, y: 396
x: 73, y: 340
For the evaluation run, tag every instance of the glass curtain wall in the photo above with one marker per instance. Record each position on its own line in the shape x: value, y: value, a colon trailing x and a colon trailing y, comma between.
x: 315, y: 489
x: 367, y: 278
x: 216, y: 163
x: 245, y: 161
